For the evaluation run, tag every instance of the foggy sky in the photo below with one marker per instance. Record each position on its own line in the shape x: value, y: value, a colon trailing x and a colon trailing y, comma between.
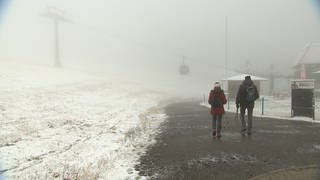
x: 158, y: 32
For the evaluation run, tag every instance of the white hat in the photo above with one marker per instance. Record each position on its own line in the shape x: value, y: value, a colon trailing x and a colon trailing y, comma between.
x: 216, y: 84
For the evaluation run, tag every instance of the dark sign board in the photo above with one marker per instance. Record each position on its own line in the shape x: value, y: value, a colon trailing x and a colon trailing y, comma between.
x: 302, y: 98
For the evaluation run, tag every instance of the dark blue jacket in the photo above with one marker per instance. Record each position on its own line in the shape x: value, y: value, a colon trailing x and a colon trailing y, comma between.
x: 241, y: 98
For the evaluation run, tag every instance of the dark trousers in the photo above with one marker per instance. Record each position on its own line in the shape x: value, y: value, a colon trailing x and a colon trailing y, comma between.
x: 216, y: 122
x: 243, y: 121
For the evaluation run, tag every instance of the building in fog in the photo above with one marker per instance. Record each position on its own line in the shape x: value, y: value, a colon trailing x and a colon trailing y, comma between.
x: 308, y: 65
x: 316, y: 77
x: 233, y: 83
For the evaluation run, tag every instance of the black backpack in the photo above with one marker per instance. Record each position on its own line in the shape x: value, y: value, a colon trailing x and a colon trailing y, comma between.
x: 216, y: 102
x: 250, y: 93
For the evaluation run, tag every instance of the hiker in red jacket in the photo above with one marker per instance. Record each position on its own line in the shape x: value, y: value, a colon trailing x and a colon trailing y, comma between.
x: 217, y: 99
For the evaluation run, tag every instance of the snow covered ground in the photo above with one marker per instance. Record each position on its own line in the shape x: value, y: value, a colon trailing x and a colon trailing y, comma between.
x: 59, y: 124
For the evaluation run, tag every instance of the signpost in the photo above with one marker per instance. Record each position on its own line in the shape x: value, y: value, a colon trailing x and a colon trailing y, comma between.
x: 302, y: 98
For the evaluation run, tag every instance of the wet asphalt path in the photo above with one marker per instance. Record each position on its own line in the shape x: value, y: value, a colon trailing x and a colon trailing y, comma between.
x: 187, y: 150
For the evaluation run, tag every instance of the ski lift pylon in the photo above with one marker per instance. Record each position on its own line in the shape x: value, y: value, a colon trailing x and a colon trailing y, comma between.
x: 184, y: 68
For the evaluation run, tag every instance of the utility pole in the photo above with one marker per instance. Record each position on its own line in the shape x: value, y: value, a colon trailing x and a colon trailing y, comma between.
x: 57, y: 16
x: 226, y: 47
x: 271, y: 79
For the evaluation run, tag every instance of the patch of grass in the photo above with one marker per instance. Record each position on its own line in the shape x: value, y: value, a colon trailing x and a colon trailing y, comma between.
x: 144, y: 122
x: 132, y: 133
x: 90, y: 172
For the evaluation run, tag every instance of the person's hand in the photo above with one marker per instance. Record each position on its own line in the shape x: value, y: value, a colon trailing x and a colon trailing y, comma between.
x: 237, y: 105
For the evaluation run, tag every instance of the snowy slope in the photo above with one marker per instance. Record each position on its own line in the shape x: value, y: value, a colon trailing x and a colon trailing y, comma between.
x: 57, y: 123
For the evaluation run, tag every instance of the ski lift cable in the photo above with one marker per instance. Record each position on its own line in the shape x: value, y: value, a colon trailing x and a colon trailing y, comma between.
x: 143, y: 45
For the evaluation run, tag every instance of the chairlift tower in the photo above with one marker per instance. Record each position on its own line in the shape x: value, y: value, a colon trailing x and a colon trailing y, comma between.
x: 184, y: 68
x: 57, y: 15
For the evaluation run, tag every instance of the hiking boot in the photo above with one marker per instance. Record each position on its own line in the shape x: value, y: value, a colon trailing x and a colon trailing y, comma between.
x: 219, y: 134
x: 214, y: 133
x: 243, y: 132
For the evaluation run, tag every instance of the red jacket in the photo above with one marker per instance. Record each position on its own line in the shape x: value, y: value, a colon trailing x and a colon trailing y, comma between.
x: 217, y: 110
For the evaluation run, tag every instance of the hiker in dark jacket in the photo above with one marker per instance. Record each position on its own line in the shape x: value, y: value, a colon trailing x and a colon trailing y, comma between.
x: 217, y: 99
x: 246, y: 96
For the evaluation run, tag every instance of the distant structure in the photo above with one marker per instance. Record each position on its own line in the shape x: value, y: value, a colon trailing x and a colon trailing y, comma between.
x: 234, y: 82
x: 308, y: 65
x: 309, y: 62
x: 184, y: 68
x: 316, y: 77
x: 57, y: 15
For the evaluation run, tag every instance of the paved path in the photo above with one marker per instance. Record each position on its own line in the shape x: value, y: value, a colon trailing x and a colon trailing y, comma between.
x: 187, y: 150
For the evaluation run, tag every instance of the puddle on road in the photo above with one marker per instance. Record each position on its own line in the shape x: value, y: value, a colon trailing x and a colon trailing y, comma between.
x: 279, y: 131
x: 229, y: 158
x: 226, y: 137
x: 316, y: 146
x: 305, y: 173
x: 231, y: 134
x: 283, y: 126
x: 231, y: 137
x: 309, y: 149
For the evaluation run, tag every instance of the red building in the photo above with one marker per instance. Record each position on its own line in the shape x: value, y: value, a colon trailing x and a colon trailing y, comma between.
x: 308, y: 63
